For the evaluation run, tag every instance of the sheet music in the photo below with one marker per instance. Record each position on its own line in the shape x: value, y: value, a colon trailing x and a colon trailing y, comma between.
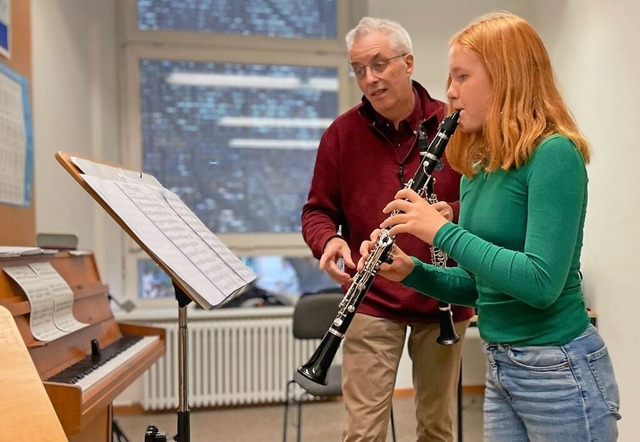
x: 62, y: 296
x: 203, y: 232
x: 113, y: 173
x: 9, y: 251
x: 41, y: 318
x: 182, y: 237
x: 200, y: 266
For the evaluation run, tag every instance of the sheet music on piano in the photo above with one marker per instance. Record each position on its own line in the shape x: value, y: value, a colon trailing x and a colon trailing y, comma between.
x: 171, y: 233
x: 50, y: 298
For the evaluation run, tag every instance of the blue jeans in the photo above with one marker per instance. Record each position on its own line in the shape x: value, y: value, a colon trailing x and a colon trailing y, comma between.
x: 551, y: 393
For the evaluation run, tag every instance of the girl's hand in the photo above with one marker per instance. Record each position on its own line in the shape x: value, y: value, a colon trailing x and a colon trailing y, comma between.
x: 399, y: 268
x: 416, y: 216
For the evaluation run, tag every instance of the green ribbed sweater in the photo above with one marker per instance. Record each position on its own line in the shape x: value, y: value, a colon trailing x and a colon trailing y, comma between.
x: 518, y: 245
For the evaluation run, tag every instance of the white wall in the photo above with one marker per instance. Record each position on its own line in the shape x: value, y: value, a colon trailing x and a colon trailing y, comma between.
x: 594, y: 47
x: 75, y: 109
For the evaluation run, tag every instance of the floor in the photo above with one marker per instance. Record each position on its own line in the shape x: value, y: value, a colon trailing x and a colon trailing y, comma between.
x: 322, y: 422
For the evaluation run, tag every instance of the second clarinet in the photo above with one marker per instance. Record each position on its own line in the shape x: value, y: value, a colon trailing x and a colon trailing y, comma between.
x: 317, y: 367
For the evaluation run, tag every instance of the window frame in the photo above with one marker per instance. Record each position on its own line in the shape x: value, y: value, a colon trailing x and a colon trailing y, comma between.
x: 136, y: 45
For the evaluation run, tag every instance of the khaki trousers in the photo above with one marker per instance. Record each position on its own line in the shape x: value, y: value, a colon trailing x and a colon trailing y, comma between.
x: 371, y: 354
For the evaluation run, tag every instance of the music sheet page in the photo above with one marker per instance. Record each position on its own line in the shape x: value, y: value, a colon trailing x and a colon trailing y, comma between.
x: 62, y: 296
x: 41, y: 320
x: 168, y: 228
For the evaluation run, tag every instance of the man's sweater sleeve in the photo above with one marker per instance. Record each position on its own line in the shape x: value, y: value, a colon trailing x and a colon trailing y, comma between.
x: 320, y: 214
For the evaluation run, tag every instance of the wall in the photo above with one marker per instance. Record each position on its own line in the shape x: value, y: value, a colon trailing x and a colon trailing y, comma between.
x: 594, y: 46
x: 75, y: 109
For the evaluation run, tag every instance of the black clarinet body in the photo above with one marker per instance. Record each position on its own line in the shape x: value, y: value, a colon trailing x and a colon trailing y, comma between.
x: 317, y: 367
x: 448, y: 334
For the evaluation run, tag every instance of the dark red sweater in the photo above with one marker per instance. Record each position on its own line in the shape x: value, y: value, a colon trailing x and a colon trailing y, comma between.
x: 356, y: 174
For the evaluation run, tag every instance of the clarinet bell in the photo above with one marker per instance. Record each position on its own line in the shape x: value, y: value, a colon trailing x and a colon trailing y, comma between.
x: 448, y: 334
x: 448, y: 340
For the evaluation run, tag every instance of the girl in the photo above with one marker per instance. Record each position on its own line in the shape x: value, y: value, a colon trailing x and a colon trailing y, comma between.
x: 523, y: 199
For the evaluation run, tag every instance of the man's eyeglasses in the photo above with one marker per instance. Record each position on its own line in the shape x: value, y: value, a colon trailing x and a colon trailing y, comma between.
x: 378, y: 66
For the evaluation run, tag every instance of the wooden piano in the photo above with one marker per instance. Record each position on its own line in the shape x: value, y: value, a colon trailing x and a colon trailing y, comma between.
x: 84, y: 405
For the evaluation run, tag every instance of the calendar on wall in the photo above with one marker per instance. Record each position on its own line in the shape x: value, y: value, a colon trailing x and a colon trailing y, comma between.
x: 5, y: 28
x: 16, y: 139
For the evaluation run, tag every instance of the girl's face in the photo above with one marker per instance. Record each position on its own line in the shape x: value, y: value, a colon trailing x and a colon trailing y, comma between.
x: 470, y: 88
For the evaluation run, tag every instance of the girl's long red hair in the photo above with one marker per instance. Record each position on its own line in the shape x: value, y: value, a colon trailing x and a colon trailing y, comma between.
x: 526, y: 105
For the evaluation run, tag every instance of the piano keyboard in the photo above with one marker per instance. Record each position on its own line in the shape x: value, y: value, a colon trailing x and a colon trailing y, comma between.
x: 93, y: 368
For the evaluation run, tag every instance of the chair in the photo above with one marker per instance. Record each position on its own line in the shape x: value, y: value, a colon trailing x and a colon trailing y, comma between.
x: 312, y: 318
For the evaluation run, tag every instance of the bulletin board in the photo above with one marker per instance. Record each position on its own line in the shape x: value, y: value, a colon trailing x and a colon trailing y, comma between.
x: 17, y: 222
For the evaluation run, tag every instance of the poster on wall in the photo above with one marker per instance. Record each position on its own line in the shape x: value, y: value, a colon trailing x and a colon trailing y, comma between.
x: 5, y: 27
x: 16, y: 139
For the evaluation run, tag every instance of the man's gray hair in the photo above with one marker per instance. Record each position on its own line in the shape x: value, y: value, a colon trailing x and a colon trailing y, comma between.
x: 399, y: 39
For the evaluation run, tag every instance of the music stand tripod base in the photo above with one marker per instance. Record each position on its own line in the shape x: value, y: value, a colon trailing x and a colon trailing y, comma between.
x: 153, y: 435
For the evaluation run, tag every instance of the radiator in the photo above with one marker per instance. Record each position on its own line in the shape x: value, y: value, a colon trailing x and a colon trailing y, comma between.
x: 231, y: 362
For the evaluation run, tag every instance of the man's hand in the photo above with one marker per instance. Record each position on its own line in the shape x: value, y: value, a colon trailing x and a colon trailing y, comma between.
x: 335, y: 249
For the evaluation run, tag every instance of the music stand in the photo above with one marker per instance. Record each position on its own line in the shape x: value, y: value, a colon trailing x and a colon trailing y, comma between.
x: 160, y: 223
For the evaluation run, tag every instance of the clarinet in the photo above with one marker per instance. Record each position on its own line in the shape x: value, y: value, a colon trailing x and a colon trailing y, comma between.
x: 448, y: 335
x: 317, y: 368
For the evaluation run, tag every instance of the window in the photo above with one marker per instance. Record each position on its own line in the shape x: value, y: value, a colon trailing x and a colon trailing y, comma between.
x: 237, y: 142
x: 273, y: 18
x: 225, y: 101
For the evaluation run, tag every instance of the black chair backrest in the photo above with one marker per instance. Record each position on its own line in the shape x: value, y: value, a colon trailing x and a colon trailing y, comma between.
x: 313, y: 315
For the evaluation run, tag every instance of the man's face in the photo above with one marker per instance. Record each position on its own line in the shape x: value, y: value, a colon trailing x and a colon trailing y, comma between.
x: 385, y: 80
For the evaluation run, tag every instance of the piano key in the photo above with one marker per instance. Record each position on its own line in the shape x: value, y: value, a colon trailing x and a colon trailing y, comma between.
x: 93, y: 368
x: 81, y: 368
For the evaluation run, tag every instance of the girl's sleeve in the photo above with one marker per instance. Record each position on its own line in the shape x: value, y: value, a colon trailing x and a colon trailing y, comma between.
x: 557, y: 183
x: 449, y: 284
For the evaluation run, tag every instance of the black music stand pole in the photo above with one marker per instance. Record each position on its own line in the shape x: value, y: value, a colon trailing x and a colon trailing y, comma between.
x: 183, y: 434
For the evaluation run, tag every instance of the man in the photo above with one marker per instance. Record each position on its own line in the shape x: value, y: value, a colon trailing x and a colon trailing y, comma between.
x: 364, y: 158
